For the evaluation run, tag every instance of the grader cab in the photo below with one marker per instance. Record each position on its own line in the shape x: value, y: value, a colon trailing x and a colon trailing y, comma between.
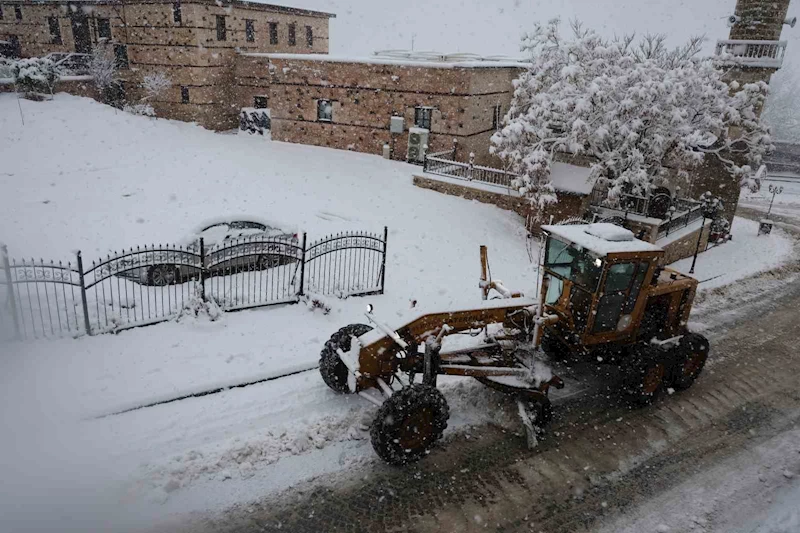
x: 602, y: 295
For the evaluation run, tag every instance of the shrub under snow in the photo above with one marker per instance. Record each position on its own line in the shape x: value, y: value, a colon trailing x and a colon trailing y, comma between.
x: 36, y: 75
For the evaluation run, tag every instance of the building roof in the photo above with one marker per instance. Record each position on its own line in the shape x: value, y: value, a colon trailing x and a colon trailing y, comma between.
x: 602, y: 238
x: 436, y: 61
x: 243, y: 3
x: 570, y: 178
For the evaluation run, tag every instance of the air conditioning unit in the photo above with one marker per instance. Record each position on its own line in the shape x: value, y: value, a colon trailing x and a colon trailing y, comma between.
x: 417, y: 145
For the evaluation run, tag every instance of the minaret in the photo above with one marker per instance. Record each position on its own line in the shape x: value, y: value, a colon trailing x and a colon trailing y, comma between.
x: 757, y: 53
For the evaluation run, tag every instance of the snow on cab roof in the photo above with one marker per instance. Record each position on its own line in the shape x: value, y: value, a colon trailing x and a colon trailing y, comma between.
x: 601, y: 238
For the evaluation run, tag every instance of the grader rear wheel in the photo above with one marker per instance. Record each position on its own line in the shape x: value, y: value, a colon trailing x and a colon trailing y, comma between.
x: 645, y: 377
x: 334, y: 372
x: 409, y: 423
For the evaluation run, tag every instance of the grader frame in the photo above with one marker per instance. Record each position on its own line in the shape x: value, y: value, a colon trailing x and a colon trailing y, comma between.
x: 591, y: 302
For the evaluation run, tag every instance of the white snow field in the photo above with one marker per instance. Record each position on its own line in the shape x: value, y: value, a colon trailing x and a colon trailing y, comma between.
x: 80, y: 175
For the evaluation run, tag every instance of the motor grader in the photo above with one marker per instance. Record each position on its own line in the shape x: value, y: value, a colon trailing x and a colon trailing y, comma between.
x: 603, y: 295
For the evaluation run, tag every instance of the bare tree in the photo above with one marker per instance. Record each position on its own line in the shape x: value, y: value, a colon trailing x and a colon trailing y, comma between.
x: 155, y: 85
x: 103, y: 69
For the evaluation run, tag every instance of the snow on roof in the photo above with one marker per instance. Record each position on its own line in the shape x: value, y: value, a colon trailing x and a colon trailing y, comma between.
x: 610, y: 232
x: 445, y: 61
x: 570, y: 178
x: 577, y: 234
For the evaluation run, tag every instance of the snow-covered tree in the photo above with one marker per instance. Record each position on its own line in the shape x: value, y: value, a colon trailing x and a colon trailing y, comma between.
x: 636, y: 108
x: 155, y: 85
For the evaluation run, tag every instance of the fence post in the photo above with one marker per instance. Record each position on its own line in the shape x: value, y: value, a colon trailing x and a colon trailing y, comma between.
x: 303, y: 267
x: 383, y: 261
x: 471, y: 167
x: 202, y: 269
x: 455, y: 149
x: 83, y: 295
x: 12, y: 300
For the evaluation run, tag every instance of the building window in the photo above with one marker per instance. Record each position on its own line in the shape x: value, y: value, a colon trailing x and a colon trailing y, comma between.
x: 103, y: 28
x: 55, y: 30
x: 221, y: 33
x: 422, y: 117
x: 177, y: 16
x: 273, y: 33
x: 121, y: 56
x: 250, y: 30
x: 497, y: 117
x: 324, y: 111
x: 18, y: 12
x: 292, y: 34
x: 309, y: 36
x: 184, y: 94
x: 260, y: 102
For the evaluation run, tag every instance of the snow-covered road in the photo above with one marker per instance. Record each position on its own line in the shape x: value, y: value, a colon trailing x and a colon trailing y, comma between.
x: 152, y: 181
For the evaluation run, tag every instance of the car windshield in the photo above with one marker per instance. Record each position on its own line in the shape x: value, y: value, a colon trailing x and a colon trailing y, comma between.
x: 573, y: 263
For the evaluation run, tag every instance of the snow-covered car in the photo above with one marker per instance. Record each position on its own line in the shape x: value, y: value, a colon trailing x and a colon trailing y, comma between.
x: 229, y: 246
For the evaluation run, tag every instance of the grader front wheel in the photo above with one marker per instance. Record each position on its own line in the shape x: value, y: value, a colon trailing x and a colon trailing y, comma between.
x: 334, y: 372
x: 693, y: 356
x: 409, y: 423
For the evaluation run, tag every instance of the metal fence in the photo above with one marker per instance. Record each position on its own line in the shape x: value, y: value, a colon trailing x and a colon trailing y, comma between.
x: 444, y: 164
x: 151, y: 284
x: 686, y: 212
x: 754, y: 53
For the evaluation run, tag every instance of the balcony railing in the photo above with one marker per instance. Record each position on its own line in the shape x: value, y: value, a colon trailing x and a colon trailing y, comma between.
x: 764, y: 54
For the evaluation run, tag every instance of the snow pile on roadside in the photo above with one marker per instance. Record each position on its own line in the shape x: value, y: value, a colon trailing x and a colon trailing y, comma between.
x: 249, y: 455
x: 245, y: 457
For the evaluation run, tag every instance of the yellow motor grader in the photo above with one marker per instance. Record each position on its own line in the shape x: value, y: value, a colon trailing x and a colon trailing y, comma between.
x: 603, y: 296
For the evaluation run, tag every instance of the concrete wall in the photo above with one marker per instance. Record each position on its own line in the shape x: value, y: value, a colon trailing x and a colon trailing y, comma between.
x: 365, y: 96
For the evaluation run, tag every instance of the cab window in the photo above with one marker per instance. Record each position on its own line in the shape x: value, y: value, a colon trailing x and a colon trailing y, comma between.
x: 620, y: 293
x: 572, y: 263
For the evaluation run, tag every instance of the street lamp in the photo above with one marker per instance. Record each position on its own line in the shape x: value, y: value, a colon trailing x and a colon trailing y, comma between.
x: 775, y: 190
x: 710, y: 209
x: 765, y: 224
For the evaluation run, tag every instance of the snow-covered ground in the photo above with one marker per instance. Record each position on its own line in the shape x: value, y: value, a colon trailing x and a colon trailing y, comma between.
x: 786, y: 204
x: 746, y: 254
x: 111, y: 179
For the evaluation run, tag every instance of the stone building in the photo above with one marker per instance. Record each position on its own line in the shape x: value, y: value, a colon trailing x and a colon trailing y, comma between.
x: 349, y: 103
x: 193, y: 42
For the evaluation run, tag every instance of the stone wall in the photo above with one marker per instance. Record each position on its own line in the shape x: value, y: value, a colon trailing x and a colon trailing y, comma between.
x: 568, y: 206
x: 760, y: 19
x: 365, y: 95
x: 686, y: 245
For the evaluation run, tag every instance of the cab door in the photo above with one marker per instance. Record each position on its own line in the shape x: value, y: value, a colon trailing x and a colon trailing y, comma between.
x: 619, y: 295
